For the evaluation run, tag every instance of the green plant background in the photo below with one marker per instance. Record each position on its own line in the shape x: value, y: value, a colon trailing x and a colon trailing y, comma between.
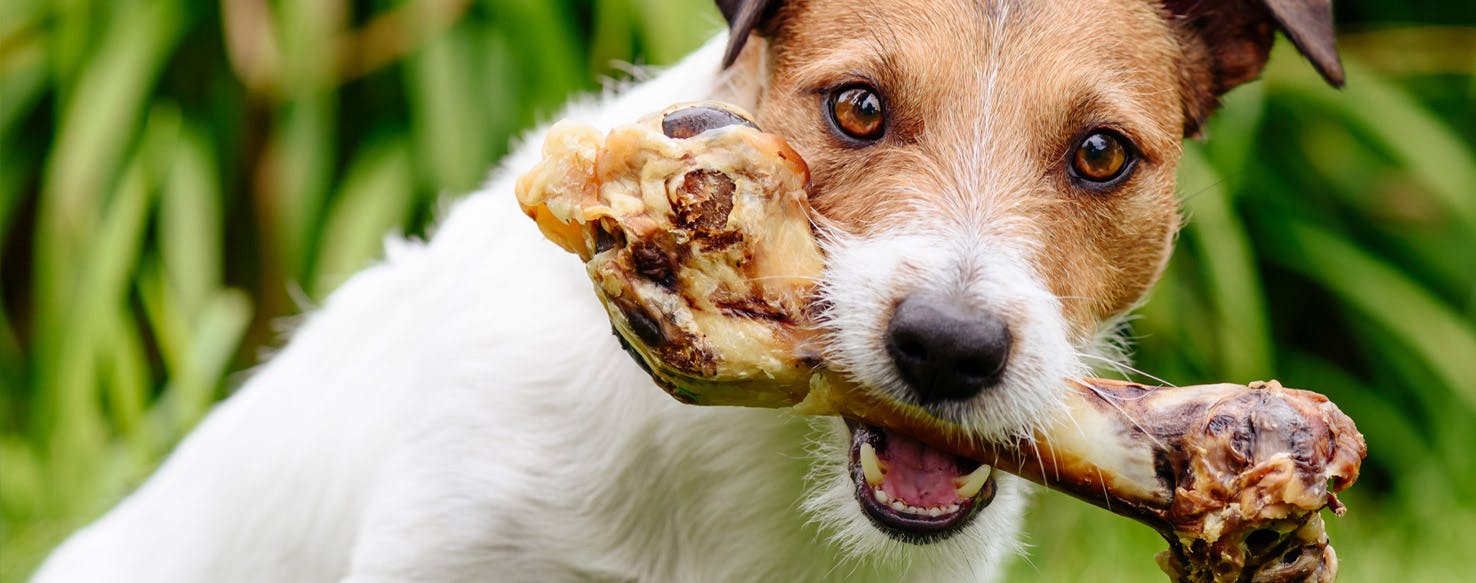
x: 178, y: 176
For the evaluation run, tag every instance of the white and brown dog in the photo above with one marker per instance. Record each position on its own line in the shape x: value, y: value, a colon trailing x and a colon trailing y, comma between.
x: 996, y: 185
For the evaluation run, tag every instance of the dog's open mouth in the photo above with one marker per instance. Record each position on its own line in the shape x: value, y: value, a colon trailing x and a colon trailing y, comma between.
x: 914, y: 492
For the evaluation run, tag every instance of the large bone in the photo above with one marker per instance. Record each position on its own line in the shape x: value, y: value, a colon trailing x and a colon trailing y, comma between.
x: 695, y: 228
x: 699, y: 246
x: 1232, y: 476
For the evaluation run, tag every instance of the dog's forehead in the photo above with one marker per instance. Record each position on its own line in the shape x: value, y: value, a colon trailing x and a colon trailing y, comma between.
x: 1117, y: 55
x: 966, y: 27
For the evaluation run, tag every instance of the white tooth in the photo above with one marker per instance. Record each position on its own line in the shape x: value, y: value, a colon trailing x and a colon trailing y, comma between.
x: 898, y: 505
x: 870, y: 465
x: 880, y: 496
x: 935, y: 512
x: 951, y: 508
x: 913, y: 509
x: 970, y: 485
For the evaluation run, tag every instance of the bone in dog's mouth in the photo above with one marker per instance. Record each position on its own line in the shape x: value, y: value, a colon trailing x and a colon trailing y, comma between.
x: 1234, y: 477
x: 912, y: 491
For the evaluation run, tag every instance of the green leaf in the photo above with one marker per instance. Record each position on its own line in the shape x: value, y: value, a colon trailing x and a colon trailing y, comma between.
x: 1231, y: 280
x: 94, y: 129
x: 299, y: 163
x: 612, y: 40
x: 375, y: 201
x: 1429, y: 151
x: 672, y: 28
x: 189, y: 228
x: 1386, y: 297
x: 447, y: 120
x: 124, y: 371
x: 214, y: 337
x: 23, y: 70
x: 69, y: 411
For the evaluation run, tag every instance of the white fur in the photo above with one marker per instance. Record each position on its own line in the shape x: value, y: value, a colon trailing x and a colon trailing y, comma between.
x: 865, y: 278
x: 461, y: 412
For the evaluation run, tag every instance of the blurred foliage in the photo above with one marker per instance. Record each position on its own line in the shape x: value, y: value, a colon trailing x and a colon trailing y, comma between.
x: 175, y: 176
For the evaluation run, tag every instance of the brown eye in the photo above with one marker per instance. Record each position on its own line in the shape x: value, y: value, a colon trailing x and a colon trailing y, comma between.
x: 1101, y: 158
x: 857, y: 113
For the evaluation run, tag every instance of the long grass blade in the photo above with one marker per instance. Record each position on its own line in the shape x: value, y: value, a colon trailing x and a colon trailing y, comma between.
x: 1231, y: 278
x: 377, y: 195
x: 1384, y: 296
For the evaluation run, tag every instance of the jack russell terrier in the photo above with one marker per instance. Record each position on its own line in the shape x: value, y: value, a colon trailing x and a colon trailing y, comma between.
x: 996, y: 179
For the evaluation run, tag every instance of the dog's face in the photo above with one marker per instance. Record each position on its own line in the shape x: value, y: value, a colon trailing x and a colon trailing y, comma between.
x: 995, y: 183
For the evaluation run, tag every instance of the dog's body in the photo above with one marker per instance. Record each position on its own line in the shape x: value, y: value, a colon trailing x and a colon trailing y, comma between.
x: 461, y: 412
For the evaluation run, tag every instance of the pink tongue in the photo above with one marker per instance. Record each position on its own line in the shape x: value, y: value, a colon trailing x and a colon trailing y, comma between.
x: 917, y: 474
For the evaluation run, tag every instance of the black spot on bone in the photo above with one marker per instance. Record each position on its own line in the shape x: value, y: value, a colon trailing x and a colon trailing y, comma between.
x: 608, y: 236
x: 691, y: 121
x: 647, y: 329
x: 652, y: 262
x: 634, y: 355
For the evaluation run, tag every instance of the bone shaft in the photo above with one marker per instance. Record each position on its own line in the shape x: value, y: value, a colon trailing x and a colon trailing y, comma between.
x: 1103, y: 449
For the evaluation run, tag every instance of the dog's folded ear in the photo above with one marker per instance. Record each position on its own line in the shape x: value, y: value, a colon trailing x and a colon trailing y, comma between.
x: 743, y: 17
x: 1233, y: 39
x: 1309, y: 25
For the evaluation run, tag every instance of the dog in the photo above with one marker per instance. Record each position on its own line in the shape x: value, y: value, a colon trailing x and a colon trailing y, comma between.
x: 995, y: 188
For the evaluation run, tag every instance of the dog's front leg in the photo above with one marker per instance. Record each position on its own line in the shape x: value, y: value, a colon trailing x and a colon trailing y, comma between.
x: 491, y: 490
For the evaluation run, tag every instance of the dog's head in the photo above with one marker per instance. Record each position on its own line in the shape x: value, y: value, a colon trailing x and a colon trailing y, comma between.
x: 995, y: 184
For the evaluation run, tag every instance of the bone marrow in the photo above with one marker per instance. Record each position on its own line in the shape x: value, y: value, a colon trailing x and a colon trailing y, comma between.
x: 694, y: 228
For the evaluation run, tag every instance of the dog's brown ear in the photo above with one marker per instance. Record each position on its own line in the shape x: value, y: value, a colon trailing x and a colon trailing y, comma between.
x: 743, y: 16
x: 1234, y: 38
x: 1309, y: 25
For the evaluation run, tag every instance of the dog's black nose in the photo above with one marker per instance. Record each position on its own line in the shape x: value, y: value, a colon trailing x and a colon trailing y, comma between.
x: 692, y: 120
x: 944, y: 350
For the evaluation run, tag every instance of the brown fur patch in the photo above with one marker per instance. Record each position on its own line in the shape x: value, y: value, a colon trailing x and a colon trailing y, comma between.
x: 982, y: 115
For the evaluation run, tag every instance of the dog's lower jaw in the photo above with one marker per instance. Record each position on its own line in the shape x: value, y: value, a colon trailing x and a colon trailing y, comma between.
x: 984, y: 543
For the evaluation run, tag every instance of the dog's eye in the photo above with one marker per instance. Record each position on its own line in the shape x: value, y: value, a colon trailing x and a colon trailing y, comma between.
x: 1102, y: 157
x: 857, y: 113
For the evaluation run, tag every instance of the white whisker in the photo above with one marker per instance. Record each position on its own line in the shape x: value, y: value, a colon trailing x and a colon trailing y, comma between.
x: 1122, y: 368
x: 1112, y: 400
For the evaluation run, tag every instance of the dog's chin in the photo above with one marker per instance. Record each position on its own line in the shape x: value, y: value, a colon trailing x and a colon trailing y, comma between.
x: 912, y: 492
